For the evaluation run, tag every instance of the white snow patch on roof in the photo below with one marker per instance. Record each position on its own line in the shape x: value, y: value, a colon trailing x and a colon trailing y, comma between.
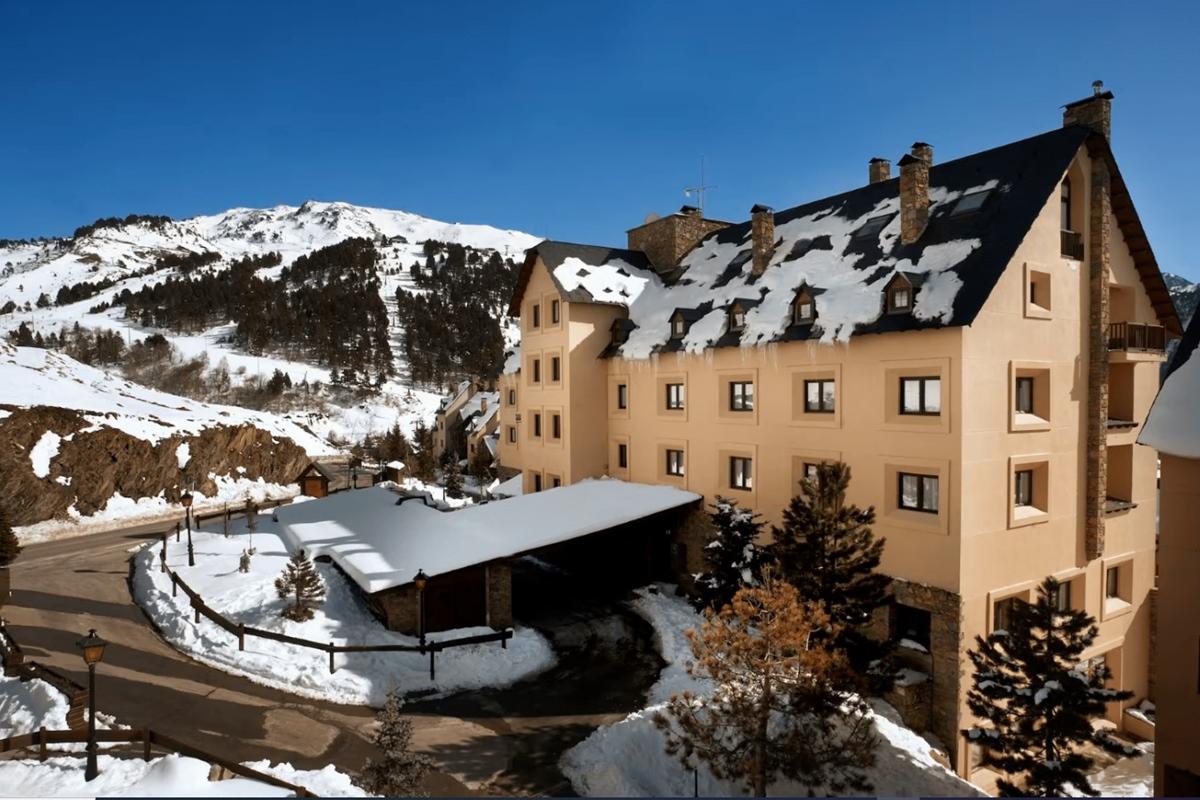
x: 616, y: 281
x: 382, y: 545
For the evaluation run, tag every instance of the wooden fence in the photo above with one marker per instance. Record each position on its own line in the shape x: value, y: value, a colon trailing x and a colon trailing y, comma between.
x: 240, y: 630
x: 15, y: 666
x: 148, y: 739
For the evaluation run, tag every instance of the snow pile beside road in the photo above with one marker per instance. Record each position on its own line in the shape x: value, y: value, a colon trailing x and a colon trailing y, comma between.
x: 169, y: 776
x: 122, y: 510
x: 628, y: 759
x: 26, y: 706
x: 344, y: 618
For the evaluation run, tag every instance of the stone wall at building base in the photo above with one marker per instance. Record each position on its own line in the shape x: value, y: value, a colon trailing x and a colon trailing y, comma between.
x: 499, y: 595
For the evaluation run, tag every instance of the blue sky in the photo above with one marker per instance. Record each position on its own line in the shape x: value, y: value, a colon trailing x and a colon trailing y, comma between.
x: 564, y: 119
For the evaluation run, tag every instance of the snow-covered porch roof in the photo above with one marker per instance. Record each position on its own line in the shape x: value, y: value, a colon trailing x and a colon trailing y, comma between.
x: 382, y: 545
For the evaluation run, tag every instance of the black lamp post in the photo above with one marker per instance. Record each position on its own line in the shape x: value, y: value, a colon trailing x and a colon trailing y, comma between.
x: 420, y: 579
x: 186, y: 501
x: 92, y: 647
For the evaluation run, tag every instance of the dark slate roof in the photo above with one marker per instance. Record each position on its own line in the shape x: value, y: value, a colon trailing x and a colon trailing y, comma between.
x: 1186, y: 349
x: 554, y: 253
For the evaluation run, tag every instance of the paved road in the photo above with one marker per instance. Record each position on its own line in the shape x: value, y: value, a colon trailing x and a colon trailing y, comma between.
x: 505, y: 740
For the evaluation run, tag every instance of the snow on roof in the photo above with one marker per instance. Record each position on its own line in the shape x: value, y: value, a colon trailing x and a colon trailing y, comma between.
x: 512, y: 361
x: 382, y: 545
x: 31, y: 376
x: 1173, y: 425
x: 513, y: 487
x: 395, y: 465
x: 845, y: 248
x: 475, y: 404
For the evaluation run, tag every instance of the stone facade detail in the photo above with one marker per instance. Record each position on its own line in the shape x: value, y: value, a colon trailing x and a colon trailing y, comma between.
x: 399, y: 608
x: 667, y: 240
x: 1094, y: 112
x: 498, y: 577
x: 1099, y: 237
x: 879, y: 170
x: 914, y: 192
x: 762, y: 230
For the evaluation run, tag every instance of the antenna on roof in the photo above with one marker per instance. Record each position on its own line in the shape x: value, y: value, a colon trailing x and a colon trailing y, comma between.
x: 699, y: 190
x: 1097, y: 87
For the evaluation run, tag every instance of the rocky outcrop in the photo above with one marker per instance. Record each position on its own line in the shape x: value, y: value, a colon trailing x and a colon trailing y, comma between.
x: 93, y: 464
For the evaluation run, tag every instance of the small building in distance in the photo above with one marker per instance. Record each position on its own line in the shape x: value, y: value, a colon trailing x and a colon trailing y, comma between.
x: 314, y: 480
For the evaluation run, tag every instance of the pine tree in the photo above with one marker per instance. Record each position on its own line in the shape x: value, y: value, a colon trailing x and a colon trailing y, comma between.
x: 301, y: 584
x: 399, y: 771
x: 733, y: 558
x: 10, y: 548
x: 827, y: 551
x: 424, y: 466
x: 1036, y: 698
x: 452, y: 480
x: 778, y: 709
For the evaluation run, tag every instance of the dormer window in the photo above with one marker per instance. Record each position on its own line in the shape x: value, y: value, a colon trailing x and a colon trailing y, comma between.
x: 737, y: 318
x: 678, y: 326
x: 970, y: 203
x: 620, y: 331
x: 804, y: 311
x: 898, y: 294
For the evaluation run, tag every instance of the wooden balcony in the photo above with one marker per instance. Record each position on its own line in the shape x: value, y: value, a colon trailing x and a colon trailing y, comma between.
x: 1137, y: 337
x: 1072, y: 245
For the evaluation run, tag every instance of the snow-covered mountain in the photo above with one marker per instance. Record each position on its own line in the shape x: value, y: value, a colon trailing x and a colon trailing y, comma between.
x: 1186, y: 295
x: 30, y: 269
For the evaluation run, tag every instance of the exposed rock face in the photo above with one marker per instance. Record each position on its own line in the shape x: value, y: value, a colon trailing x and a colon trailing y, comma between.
x: 99, y: 463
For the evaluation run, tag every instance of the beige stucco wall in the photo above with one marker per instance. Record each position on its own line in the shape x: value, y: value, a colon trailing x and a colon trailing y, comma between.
x: 1178, y: 638
x: 976, y: 546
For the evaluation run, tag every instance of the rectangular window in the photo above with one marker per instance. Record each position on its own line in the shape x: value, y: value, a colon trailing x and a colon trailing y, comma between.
x: 675, y: 463
x: 678, y: 328
x: 536, y: 321
x: 555, y: 369
x: 900, y: 298
x: 623, y: 456
x: 553, y: 312
x: 1112, y: 582
x: 537, y: 482
x: 741, y: 472
x: 537, y: 424
x: 921, y: 396
x: 804, y: 311
x: 675, y: 396
x: 537, y: 370
x: 1002, y: 613
x: 819, y: 397
x: 555, y: 426
x: 1024, y: 395
x: 741, y: 396
x: 512, y: 397
x: 512, y: 434
x: 556, y: 481
x: 737, y: 319
x: 918, y: 492
x: 1023, y: 487
x: 622, y: 395
x: 1062, y: 598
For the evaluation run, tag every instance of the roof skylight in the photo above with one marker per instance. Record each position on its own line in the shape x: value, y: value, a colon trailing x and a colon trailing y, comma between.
x: 970, y: 203
x: 872, y: 226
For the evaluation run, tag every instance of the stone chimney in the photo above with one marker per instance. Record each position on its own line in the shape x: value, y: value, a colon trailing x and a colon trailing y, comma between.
x: 879, y: 170
x: 666, y: 240
x: 914, y: 192
x: 1093, y: 112
x: 762, y: 230
x: 483, y: 404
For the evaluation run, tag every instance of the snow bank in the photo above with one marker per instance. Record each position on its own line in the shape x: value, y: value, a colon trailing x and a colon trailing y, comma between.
x: 121, y: 510
x: 343, y: 618
x: 168, y: 776
x: 26, y: 706
x: 629, y: 759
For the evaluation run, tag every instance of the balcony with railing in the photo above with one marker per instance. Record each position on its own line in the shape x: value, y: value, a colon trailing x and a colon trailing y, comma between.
x: 1072, y: 245
x: 1137, y: 337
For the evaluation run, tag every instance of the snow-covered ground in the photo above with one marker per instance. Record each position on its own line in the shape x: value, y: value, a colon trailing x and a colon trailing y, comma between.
x: 1129, y: 777
x: 27, y: 706
x: 343, y: 618
x: 628, y: 759
x: 122, y: 511
x: 167, y: 776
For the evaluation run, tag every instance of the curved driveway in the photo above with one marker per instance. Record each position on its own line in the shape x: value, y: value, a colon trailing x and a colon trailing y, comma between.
x: 503, y: 740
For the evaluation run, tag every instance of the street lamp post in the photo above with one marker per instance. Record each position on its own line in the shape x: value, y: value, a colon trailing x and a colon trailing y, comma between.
x: 420, y: 579
x: 92, y: 647
x: 186, y: 501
